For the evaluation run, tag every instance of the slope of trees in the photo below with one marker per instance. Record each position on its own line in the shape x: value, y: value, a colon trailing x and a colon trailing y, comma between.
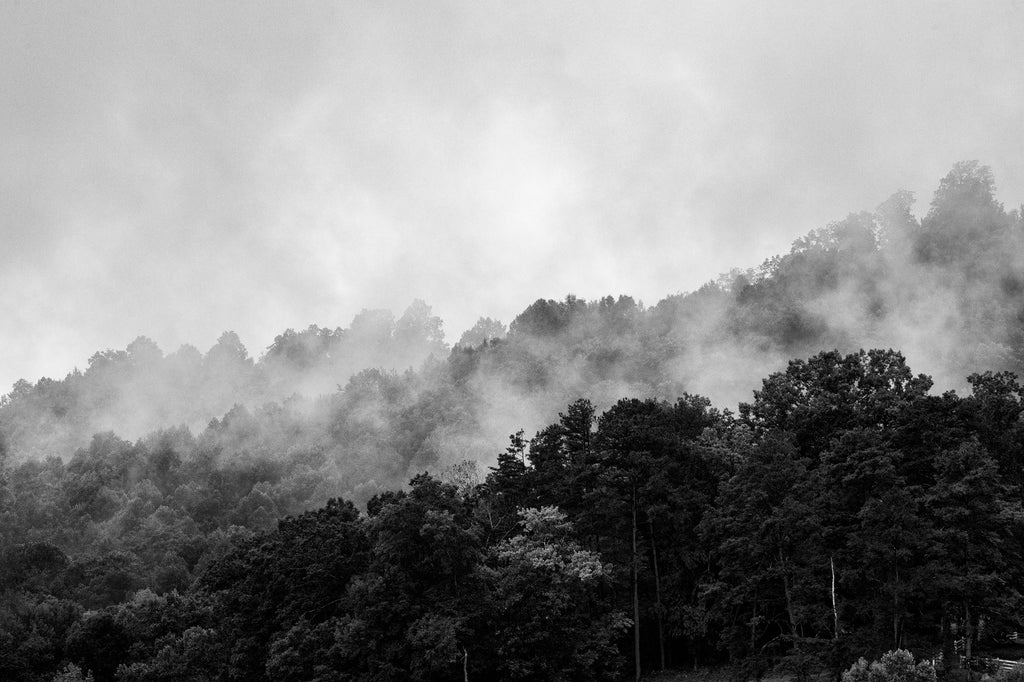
x: 948, y: 290
x: 844, y: 512
x: 219, y: 516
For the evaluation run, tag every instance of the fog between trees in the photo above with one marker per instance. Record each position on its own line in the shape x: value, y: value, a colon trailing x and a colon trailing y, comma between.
x: 161, y: 471
x: 947, y: 291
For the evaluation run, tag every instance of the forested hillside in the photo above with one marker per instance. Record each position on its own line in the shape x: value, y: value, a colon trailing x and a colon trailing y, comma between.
x: 337, y: 508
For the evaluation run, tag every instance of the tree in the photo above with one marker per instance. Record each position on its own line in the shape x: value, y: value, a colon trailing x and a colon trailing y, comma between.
x: 407, y: 614
x: 974, y: 529
x: 270, y: 582
x: 815, y: 399
x: 644, y: 489
x: 559, y: 455
x: 766, y: 534
x: 418, y: 334
x: 546, y: 614
x: 99, y: 643
x: 965, y: 222
x: 484, y: 331
x: 877, y: 533
x: 508, y: 479
x: 995, y: 408
x: 546, y: 318
x: 894, y: 666
x: 72, y: 673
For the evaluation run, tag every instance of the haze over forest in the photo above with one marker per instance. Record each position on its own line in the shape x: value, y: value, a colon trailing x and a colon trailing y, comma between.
x: 339, y: 520
x: 389, y: 341
x: 947, y: 291
x: 180, y: 169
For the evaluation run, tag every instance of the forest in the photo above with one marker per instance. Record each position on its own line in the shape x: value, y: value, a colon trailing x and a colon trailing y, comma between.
x: 568, y: 497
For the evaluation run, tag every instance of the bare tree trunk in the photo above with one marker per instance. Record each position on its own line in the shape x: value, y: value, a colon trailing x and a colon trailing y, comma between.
x: 835, y: 609
x: 789, y: 601
x: 948, y: 648
x: 968, y: 630
x: 753, y: 625
x: 465, y: 665
x: 895, y: 625
x: 896, y: 610
x: 636, y: 599
x: 657, y: 595
x: 968, y: 622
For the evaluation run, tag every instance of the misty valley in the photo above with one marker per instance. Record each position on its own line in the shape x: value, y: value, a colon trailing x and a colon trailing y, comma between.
x: 790, y: 472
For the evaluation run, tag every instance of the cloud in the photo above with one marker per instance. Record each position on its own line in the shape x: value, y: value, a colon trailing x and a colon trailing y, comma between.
x: 177, y: 169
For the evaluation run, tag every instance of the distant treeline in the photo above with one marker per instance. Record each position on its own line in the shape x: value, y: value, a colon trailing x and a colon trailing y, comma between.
x: 842, y: 513
x: 948, y: 290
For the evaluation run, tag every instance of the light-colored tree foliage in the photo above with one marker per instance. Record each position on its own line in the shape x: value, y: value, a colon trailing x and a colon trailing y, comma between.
x: 894, y: 666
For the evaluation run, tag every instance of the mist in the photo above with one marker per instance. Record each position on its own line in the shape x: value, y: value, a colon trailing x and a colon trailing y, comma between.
x: 281, y: 284
x: 148, y: 474
x: 369, y: 404
x: 179, y: 170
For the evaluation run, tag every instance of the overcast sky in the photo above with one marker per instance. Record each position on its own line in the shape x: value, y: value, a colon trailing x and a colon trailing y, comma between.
x: 179, y: 169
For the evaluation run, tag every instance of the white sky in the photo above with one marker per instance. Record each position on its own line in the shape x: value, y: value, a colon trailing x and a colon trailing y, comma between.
x: 179, y: 169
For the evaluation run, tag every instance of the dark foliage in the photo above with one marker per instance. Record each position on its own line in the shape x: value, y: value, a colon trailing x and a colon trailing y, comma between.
x: 845, y: 511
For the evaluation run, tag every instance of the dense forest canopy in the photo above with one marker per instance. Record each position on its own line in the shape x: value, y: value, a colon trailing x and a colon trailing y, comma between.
x: 220, y: 516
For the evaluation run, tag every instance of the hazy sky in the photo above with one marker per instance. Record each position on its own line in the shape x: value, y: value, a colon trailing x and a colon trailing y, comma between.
x: 179, y: 169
